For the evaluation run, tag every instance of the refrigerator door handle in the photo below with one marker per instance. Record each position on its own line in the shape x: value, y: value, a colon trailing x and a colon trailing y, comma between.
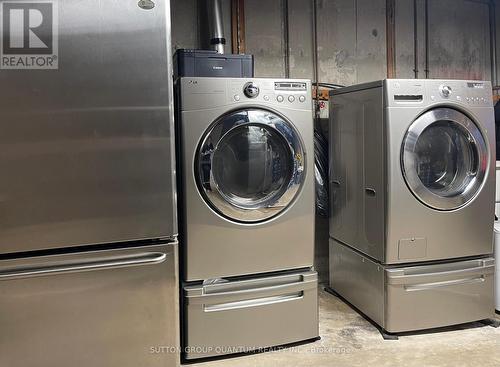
x: 448, y: 283
x: 90, y: 264
x: 245, y: 294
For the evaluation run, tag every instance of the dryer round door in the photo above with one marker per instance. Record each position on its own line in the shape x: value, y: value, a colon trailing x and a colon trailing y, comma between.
x: 444, y: 159
x: 250, y: 165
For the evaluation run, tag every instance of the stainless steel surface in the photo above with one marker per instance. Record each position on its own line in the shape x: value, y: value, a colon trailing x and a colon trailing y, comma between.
x: 412, y: 298
x: 244, y: 315
x: 358, y: 280
x: 463, y: 232
x: 470, y: 182
x: 263, y: 131
x: 368, y: 129
x: 121, y: 314
x: 48, y: 268
x: 215, y: 25
x: 87, y: 150
x: 215, y: 246
x: 357, y: 182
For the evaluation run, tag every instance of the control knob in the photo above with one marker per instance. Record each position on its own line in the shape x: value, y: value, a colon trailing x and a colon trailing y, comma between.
x: 251, y: 90
x: 445, y: 90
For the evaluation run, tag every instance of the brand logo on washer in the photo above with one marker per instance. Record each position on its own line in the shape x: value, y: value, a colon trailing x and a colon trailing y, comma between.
x: 251, y: 90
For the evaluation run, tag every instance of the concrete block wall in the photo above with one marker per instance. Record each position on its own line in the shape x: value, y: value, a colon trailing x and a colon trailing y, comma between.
x: 352, y: 37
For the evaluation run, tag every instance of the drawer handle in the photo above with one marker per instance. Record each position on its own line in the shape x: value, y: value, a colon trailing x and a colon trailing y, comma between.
x: 399, y: 277
x: 84, y: 265
x: 252, y: 293
x: 253, y: 302
x: 448, y: 283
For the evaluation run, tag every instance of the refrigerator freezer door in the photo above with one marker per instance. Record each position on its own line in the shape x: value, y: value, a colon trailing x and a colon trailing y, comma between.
x: 87, y: 149
x: 113, y: 308
x: 245, y: 315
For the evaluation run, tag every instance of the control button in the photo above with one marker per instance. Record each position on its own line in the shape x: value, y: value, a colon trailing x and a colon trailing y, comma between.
x: 251, y: 90
x: 459, y: 98
x: 467, y: 99
x: 433, y: 98
x: 266, y: 98
x: 280, y: 98
x: 445, y: 90
x: 236, y: 97
x: 302, y: 98
x: 291, y: 99
x: 477, y: 99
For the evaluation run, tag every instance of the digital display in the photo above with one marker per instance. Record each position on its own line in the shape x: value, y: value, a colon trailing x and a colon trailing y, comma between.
x: 476, y: 85
x: 290, y: 86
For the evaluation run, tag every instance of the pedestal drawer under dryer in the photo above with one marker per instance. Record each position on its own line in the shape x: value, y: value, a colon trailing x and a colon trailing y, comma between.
x: 237, y: 316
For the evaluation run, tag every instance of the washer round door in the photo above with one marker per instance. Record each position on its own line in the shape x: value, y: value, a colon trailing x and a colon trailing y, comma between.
x: 250, y: 165
x: 444, y: 159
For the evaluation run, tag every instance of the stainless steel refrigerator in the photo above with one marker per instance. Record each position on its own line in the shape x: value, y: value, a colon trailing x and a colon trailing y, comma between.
x: 88, y: 227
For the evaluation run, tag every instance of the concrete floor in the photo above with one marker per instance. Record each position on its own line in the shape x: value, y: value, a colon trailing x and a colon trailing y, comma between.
x: 348, y: 340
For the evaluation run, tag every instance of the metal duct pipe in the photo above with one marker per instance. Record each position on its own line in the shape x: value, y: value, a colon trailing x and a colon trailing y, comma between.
x: 215, y: 25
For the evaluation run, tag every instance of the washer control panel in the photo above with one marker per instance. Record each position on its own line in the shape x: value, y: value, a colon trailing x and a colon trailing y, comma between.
x: 405, y: 92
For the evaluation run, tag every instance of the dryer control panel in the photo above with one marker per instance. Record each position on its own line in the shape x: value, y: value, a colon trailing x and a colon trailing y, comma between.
x: 290, y: 93
x: 406, y: 92
x: 206, y: 93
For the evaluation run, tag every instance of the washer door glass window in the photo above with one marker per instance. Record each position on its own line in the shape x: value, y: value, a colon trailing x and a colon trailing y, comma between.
x: 444, y: 159
x: 250, y: 165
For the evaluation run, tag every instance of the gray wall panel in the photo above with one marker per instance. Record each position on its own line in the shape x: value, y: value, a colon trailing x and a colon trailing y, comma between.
x: 351, y: 41
x: 405, y: 39
x: 337, y: 41
x: 351, y: 37
x: 371, y: 56
x: 185, y: 30
x: 264, y: 36
x: 300, y: 38
x: 459, y: 40
x: 497, y: 21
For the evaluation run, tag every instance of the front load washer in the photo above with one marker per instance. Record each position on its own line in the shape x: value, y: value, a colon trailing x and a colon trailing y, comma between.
x: 247, y: 213
x: 413, y: 186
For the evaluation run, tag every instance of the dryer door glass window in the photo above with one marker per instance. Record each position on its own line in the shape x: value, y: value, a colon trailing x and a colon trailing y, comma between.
x: 250, y: 165
x: 444, y: 159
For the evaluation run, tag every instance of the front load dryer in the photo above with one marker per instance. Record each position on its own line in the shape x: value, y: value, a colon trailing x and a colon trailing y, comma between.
x: 247, y: 213
x: 412, y: 180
